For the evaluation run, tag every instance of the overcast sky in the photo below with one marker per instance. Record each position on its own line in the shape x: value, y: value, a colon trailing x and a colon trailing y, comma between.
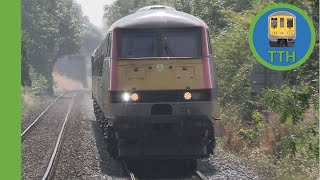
x: 94, y: 10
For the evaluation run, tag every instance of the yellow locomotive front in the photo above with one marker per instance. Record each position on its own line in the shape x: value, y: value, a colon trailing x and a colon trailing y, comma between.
x: 282, y: 29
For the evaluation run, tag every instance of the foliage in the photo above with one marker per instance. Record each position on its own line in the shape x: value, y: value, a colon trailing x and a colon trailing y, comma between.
x: 252, y: 135
x: 39, y: 83
x: 29, y: 101
x: 302, y: 140
x: 55, y: 29
x: 25, y: 60
x: 289, y: 102
x: 119, y: 9
x: 91, y: 39
x: 285, y: 168
x: 207, y: 10
x: 31, y: 95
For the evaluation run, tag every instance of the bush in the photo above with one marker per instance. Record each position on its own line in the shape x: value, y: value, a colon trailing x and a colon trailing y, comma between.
x: 39, y: 83
x: 31, y: 96
x: 294, y: 133
x: 28, y: 100
x: 289, y: 102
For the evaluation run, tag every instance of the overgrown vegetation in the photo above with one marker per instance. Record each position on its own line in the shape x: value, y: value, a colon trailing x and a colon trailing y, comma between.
x: 51, y: 29
x: 32, y: 96
x: 278, y: 131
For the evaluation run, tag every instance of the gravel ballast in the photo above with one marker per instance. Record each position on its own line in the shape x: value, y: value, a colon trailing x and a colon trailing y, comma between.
x: 27, y: 119
x: 37, y: 147
x: 84, y: 154
x: 223, y: 165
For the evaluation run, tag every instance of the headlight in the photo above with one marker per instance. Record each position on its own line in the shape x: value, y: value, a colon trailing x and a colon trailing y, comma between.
x: 134, y: 97
x: 187, y: 96
x: 126, y: 96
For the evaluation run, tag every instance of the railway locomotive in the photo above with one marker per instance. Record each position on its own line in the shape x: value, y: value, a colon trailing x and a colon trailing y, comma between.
x: 282, y: 29
x: 154, y: 87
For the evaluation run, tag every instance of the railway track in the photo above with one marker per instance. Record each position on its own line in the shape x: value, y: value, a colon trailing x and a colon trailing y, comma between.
x: 53, y: 160
x: 33, y: 124
x: 197, y: 175
x: 53, y: 127
x: 127, y: 171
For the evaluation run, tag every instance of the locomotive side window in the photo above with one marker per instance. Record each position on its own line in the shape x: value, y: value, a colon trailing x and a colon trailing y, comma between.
x: 92, y: 65
x: 103, y: 49
x: 100, y: 62
x: 209, y: 43
x: 289, y: 22
x: 274, y: 22
x: 108, y: 45
x: 281, y: 22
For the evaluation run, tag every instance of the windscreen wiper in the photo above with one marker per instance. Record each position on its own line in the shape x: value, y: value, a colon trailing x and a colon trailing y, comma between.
x: 167, y: 48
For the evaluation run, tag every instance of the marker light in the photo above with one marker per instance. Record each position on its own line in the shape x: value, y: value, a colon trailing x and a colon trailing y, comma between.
x: 187, y: 96
x: 126, y: 96
x: 134, y: 97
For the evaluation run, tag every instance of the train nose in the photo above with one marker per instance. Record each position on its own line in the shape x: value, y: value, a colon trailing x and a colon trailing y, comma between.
x: 161, y: 109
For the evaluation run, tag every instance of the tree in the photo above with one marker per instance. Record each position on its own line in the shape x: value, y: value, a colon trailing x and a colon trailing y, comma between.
x: 119, y: 9
x: 92, y: 38
x: 55, y: 29
x: 25, y: 60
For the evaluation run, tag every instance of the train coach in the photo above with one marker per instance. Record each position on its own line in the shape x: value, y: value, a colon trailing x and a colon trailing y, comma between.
x: 154, y: 87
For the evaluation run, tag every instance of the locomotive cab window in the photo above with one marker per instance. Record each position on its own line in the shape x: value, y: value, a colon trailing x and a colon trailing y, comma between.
x: 159, y: 43
x: 281, y: 22
x: 290, y: 22
x: 137, y: 44
x: 274, y: 22
x: 179, y: 44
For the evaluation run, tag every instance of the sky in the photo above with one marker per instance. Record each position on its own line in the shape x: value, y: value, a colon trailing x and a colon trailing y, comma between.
x: 94, y: 10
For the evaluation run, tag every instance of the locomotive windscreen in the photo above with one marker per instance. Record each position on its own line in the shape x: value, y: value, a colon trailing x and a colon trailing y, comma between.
x: 159, y: 43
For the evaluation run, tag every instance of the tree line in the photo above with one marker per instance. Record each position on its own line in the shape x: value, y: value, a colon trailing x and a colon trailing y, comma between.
x: 51, y: 30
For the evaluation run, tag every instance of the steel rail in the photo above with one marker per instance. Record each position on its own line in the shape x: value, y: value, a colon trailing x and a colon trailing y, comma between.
x: 26, y: 131
x: 199, y: 175
x: 126, y: 169
x: 55, y: 153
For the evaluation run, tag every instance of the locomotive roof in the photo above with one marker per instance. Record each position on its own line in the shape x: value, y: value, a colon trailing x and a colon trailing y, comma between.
x: 281, y: 13
x: 158, y: 17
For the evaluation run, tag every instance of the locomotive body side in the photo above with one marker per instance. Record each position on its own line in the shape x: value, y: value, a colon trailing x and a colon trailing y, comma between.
x: 158, y: 99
